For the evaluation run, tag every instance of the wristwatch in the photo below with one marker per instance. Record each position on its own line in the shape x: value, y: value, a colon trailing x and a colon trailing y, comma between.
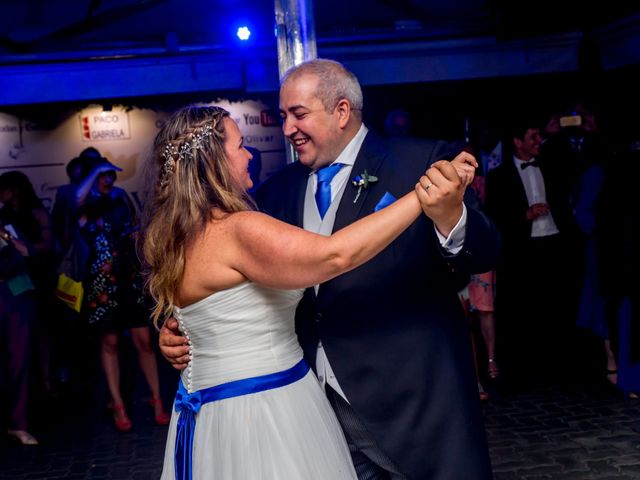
x: 6, y: 236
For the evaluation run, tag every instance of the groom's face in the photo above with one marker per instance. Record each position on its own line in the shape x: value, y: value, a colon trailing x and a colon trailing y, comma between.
x: 314, y: 133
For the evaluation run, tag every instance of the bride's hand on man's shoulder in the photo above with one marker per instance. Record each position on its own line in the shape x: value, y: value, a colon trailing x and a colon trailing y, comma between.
x: 173, y: 345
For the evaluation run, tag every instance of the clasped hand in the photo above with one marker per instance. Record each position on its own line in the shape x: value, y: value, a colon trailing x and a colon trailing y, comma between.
x: 441, y: 190
x: 537, y: 210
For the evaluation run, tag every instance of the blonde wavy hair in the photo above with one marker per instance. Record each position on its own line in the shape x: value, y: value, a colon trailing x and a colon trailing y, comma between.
x: 189, y: 176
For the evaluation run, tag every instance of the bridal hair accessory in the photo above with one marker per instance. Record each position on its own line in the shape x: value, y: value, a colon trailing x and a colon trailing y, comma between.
x: 171, y: 153
x: 362, y: 181
x: 168, y: 167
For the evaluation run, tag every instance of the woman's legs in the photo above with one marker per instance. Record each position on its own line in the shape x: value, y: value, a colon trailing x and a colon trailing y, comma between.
x: 42, y: 333
x: 488, y: 329
x: 111, y: 367
x: 612, y: 365
x: 16, y: 318
x: 147, y: 358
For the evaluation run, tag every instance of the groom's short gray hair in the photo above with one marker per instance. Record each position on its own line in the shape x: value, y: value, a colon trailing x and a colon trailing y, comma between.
x: 335, y: 82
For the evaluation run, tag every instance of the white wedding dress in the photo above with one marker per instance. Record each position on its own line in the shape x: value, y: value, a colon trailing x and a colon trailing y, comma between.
x: 286, y: 433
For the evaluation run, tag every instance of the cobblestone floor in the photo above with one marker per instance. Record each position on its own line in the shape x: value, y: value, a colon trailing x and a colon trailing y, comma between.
x: 563, y: 432
x: 584, y: 432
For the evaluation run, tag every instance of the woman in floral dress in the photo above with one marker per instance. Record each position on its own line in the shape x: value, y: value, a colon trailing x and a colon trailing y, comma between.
x: 114, y: 299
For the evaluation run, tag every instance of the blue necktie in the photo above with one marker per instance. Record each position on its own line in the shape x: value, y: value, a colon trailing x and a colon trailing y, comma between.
x: 323, y: 192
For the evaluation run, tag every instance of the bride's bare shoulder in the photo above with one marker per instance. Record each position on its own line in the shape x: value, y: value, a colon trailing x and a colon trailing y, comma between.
x: 227, y: 222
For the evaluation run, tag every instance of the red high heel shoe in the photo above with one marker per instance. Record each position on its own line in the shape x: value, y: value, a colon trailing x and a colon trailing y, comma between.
x: 161, y: 418
x: 120, y: 417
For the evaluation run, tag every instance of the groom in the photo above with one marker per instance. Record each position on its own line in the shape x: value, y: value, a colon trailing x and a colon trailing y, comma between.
x: 388, y: 340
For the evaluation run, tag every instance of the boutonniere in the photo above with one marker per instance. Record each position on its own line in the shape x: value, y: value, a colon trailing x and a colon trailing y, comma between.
x: 362, y: 181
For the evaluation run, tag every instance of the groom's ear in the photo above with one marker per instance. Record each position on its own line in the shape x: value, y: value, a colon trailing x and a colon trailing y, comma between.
x: 344, y: 112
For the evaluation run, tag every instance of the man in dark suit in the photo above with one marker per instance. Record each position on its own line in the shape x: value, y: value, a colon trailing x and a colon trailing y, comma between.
x: 527, y: 197
x: 388, y: 340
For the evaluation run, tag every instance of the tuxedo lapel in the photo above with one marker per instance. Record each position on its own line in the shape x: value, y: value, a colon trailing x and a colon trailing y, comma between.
x: 294, y: 209
x: 298, y: 201
x: 370, y: 157
x: 516, y: 182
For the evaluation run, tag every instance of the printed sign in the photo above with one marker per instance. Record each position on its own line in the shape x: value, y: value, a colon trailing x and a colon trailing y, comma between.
x: 269, y: 118
x: 99, y: 126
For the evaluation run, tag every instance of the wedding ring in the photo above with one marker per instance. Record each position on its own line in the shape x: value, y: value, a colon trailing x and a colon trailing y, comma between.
x: 427, y: 187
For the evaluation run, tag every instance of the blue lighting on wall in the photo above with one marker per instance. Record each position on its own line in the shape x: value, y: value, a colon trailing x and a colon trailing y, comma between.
x: 243, y: 33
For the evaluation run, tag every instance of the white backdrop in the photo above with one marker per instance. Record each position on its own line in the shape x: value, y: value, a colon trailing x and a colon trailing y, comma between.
x: 124, y: 136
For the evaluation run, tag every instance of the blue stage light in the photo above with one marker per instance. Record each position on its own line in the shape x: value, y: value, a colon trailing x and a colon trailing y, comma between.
x: 243, y: 33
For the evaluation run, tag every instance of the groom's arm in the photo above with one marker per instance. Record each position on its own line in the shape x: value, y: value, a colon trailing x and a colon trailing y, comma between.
x: 481, y: 246
x: 173, y: 345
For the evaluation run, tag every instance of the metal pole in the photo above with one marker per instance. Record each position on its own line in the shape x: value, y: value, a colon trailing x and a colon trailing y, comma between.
x: 296, y: 39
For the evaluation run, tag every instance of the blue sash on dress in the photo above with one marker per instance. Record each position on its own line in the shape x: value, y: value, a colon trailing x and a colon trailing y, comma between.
x: 188, y: 405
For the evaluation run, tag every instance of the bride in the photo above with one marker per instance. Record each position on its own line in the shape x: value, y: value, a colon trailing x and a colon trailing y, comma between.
x: 247, y: 405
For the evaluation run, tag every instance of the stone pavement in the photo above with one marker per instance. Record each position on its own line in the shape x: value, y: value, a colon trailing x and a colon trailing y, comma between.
x: 582, y: 432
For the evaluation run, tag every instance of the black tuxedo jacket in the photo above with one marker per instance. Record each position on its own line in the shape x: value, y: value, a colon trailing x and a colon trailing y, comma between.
x: 393, y: 329
x: 506, y: 203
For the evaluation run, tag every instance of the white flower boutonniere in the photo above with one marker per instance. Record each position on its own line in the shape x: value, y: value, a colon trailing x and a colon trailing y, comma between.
x: 362, y: 181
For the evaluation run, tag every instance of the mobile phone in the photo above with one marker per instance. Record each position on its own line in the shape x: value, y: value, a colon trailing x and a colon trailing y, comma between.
x: 12, y: 231
x: 570, y: 121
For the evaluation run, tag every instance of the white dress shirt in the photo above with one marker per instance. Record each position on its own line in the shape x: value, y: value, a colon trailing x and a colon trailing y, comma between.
x: 313, y: 223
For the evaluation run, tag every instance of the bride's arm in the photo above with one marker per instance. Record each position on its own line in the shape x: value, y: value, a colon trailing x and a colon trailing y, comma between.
x: 278, y: 255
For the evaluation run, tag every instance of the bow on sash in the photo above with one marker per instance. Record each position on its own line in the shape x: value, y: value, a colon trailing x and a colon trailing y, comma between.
x: 187, y: 405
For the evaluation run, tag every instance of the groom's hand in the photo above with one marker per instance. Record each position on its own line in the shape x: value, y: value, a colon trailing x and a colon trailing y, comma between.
x: 173, y: 345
